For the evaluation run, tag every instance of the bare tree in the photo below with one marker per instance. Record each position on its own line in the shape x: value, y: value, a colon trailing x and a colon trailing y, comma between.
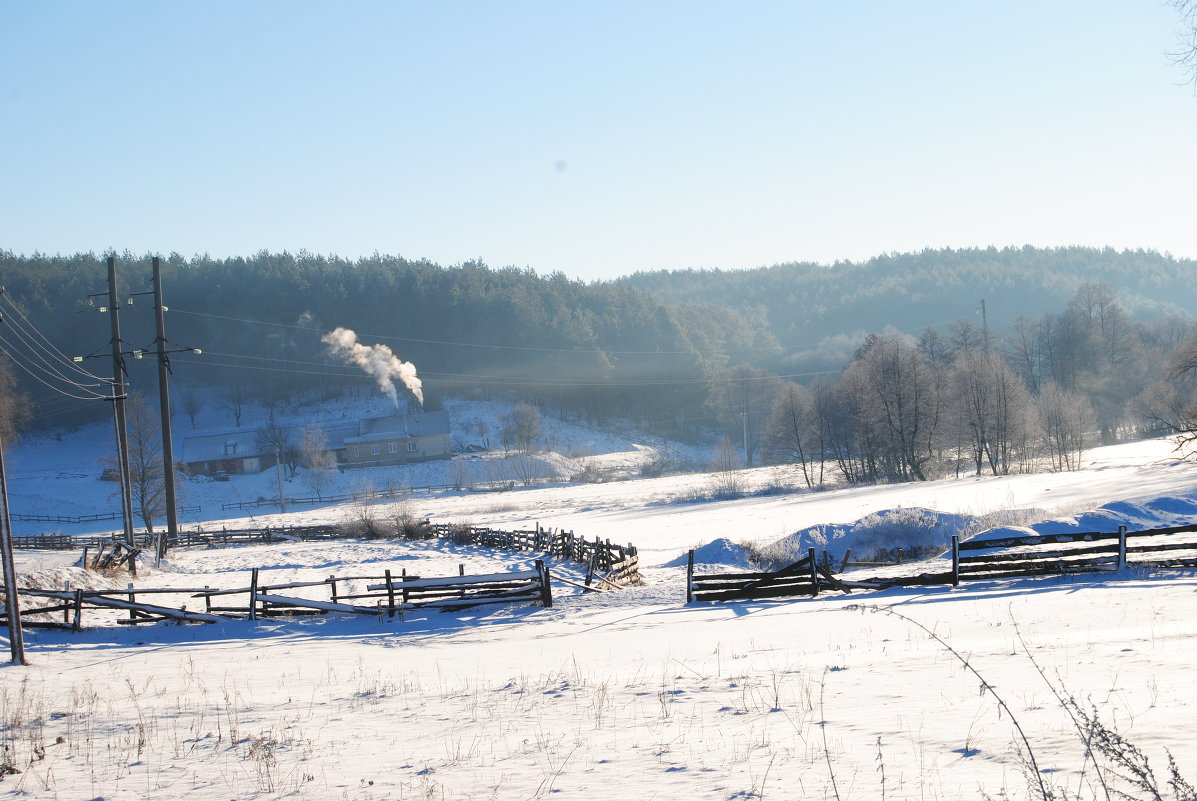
x: 726, y: 481
x: 899, y: 395
x: 317, y: 460
x: 1185, y: 55
x: 1171, y: 403
x: 483, y: 432
x: 995, y: 409
x: 192, y: 405
x: 793, y: 432
x: 234, y: 402
x: 1066, y: 419
x: 147, y: 480
x: 522, y: 427
x: 273, y: 438
x: 843, y: 435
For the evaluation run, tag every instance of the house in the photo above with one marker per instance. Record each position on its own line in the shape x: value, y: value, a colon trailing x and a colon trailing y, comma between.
x: 394, y: 439
x: 399, y: 438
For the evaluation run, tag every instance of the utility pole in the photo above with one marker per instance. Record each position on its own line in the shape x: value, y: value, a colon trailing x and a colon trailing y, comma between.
x: 985, y: 325
x: 118, y: 399
x: 278, y: 472
x: 168, y: 455
x: 12, y: 605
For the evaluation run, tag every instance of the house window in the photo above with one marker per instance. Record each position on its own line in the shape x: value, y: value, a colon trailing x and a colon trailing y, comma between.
x: 375, y: 450
x: 392, y: 447
x: 411, y: 446
x: 230, y: 448
x: 356, y: 451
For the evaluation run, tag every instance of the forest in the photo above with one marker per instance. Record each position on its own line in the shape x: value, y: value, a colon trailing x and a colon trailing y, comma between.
x: 901, y: 367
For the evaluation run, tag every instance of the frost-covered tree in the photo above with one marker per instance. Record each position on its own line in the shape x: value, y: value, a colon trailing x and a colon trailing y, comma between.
x: 995, y: 409
x: 794, y: 432
x: 1171, y: 402
x: 1066, y: 418
x: 317, y: 460
x: 899, y: 395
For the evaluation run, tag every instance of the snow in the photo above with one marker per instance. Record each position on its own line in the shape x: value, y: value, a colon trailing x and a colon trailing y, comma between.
x: 619, y: 695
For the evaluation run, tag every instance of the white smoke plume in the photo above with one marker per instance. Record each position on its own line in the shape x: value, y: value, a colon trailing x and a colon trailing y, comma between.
x: 377, y: 360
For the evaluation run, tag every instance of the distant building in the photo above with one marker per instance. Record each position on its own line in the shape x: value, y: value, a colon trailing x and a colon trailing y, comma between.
x: 397, y: 439
x: 394, y: 439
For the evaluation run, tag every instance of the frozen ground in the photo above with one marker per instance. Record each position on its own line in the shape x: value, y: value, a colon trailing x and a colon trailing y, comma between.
x: 632, y: 694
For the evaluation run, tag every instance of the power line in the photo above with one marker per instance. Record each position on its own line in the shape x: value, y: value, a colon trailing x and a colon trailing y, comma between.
x: 346, y: 371
x: 47, y: 344
x: 484, y: 346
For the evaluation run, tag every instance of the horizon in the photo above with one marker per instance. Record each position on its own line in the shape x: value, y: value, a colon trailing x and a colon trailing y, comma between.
x: 302, y: 253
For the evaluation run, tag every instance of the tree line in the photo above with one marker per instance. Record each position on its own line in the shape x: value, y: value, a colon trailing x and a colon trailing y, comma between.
x: 684, y: 354
x: 964, y: 399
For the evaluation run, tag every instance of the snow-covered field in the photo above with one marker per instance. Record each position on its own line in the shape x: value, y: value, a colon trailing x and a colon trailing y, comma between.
x: 629, y: 695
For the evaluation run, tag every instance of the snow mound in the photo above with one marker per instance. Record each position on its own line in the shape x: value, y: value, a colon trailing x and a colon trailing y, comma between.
x: 1164, y: 512
x: 917, y: 532
x: 722, y: 552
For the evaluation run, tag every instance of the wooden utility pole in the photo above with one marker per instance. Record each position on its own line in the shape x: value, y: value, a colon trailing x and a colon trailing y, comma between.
x: 985, y: 325
x: 12, y: 604
x: 168, y: 454
x: 118, y: 400
x: 278, y: 472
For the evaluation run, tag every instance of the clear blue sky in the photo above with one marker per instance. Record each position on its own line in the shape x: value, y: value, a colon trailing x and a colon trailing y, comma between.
x: 594, y: 138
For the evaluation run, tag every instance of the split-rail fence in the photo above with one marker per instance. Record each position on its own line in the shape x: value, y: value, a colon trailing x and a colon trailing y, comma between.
x: 971, y: 560
x: 389, y: 594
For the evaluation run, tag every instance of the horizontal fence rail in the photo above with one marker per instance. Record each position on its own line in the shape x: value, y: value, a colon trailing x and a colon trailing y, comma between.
x: 971, y: 560
x: 804, y: 577
x: 610, y: 565
x: 74, y: 519
x: 395, y: 595
x: 396, y: 493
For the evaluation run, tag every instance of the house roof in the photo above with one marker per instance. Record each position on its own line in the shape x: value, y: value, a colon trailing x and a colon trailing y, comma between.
x: 244, y: 441
x: 211, y: 447
x: 402, y: 426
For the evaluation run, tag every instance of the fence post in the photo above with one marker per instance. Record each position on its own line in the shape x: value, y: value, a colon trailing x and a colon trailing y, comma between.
x: 690, y: 576
x: 253, y: 595
x: 332, y: 582
x: 78, y: 624
x: 955, y: 560
x: 1122, y: 547
x: 814, y: 571
x: 546, y: 592
x: 132, y: 600
x: 390, y: 595
x: 847, y: 557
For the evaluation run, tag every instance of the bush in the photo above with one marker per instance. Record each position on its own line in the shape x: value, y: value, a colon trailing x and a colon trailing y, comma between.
x: 660, y: 465
x: 461, y: 534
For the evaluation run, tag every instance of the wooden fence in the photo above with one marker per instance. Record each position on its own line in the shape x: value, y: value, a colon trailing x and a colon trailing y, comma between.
x: 396, y: 493
x: 972, y: 560
x: 396, y: 594
x: 1084, y: 552
x: 74, y: 519
x: 804, y: 577
x: 199, y: 538
x: 608, y: 566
